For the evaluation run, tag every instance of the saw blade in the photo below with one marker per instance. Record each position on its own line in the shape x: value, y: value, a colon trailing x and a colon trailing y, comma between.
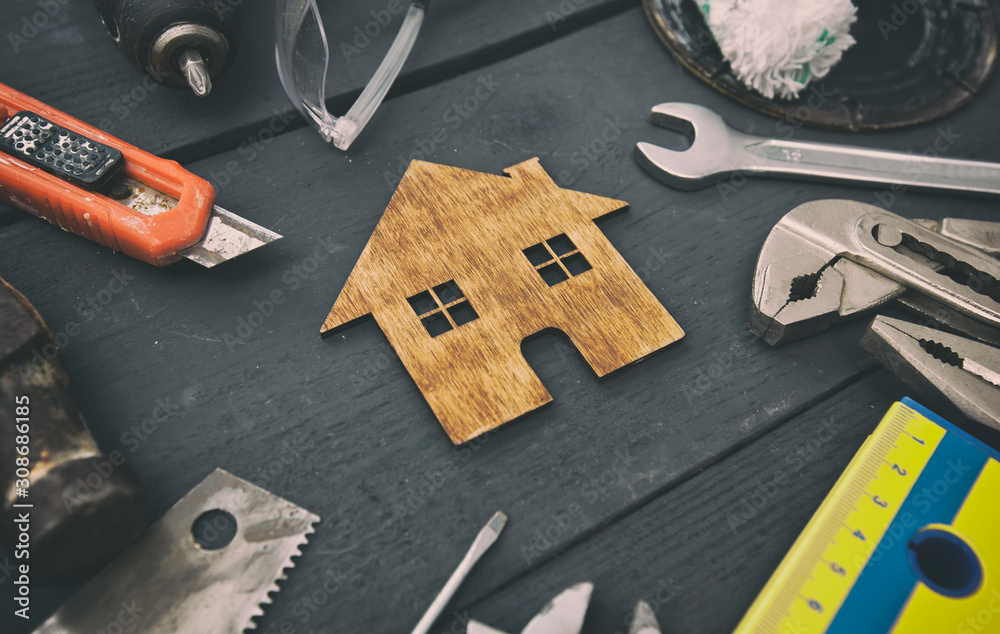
x: 166, y: 582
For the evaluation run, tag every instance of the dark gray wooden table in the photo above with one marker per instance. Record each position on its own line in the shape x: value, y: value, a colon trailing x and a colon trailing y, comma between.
x: 655, y: 483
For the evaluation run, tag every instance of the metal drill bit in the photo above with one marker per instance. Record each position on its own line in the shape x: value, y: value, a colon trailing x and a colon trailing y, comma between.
x: 484, y: 540
x: 196, y: 71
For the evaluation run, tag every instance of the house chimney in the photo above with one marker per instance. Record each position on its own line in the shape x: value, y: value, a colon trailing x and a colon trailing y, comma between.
x: 529, y: 170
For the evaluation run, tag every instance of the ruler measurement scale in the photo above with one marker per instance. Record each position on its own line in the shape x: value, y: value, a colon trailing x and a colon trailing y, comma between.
x: 820, y: 570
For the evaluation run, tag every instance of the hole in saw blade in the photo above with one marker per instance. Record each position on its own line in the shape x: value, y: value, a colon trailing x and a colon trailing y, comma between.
x: 214, y: 529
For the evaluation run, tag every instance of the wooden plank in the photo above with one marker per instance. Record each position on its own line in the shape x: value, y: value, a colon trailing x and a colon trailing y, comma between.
x: 71, y: 63
x: 86, y: 77
x: 464, y: 266
x: 184, y: 369
x: 702, y: 551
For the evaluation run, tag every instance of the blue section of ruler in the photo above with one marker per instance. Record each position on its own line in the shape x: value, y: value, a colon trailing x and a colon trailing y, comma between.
x: 887, y: 580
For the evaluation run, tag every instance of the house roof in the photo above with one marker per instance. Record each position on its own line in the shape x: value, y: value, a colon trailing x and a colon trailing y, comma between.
x: 442, y: 220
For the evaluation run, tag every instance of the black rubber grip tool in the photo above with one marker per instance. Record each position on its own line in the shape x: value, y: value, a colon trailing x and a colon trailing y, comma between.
x: 177, y: 42
x: 67, y: 154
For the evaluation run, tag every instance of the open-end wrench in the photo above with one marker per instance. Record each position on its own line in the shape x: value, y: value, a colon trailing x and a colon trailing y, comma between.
x: 718, y: 152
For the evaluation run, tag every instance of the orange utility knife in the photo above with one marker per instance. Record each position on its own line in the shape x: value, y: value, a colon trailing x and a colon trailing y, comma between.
x: 101, y: 188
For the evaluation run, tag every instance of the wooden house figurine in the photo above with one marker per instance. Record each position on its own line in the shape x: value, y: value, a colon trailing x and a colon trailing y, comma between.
x: 463, y: 266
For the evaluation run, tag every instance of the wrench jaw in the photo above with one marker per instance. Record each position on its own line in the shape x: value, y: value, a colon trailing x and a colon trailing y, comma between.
x: 800, y: 289
x: 715, y: 150
x: 673, y: 168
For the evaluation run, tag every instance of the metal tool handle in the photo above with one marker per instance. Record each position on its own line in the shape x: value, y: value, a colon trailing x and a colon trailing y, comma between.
x: 852, y: 163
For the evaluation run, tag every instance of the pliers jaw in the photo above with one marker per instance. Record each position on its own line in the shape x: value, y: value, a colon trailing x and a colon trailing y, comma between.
x: 954, y: 368
x: 828, y: 260
x: 799, y: 290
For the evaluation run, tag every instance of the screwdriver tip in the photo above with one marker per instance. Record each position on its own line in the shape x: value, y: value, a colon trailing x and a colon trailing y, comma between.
x: 497, y: 522
x: 196, y: 71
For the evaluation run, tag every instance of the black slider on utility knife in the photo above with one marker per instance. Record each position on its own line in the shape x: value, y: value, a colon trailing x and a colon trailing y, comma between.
x: 58, y: 150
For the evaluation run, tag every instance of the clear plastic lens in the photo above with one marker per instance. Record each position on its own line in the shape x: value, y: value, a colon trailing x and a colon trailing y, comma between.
x: 303, y: 56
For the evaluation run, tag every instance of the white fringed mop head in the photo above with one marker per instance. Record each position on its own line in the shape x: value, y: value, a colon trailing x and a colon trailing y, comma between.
x: 777, y: 47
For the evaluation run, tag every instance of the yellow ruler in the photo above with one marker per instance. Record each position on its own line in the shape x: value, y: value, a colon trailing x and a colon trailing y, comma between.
x: 907, y: 541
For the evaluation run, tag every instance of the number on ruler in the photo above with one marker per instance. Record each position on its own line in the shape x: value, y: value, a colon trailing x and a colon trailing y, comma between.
x: 816, y: 605
x: 859, y: 535
x: 837, y: 569
x: 917, y: 439
x: 898, y: 469
x: 880, y: 501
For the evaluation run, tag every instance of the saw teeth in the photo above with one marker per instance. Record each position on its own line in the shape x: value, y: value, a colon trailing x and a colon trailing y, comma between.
x: 274, y: 588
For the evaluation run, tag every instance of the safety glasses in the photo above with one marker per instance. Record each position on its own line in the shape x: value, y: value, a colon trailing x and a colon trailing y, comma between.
x: 303, y: 56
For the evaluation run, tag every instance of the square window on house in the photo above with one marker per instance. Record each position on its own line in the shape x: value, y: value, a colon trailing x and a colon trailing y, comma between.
x: 448, y: 292
x: 436, y: 316
x: 537, y: 254
x: 567, y: 259
x: 576, y: 264
x: 422, y: 303
x: 436, y: 324
x: 553, y: 274
x: 561, y: 244
x: 462, y: 313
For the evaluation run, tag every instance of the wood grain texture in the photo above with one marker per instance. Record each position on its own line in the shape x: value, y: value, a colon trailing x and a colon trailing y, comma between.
x: 514, y: 256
